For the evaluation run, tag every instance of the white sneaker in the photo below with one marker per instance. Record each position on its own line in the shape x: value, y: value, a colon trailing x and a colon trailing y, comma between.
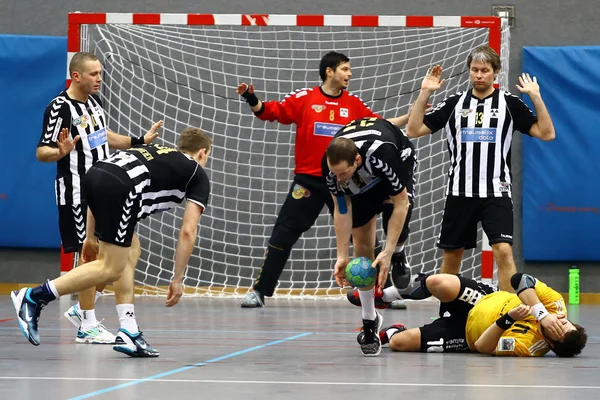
x: 95, y: 335
x: 72, y: 314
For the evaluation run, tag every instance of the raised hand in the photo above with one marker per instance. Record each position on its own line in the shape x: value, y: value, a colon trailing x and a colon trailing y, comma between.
x: 152, y: 134
x: 432, y: 80
x: 241, y: 89
x: 339, y: 272
x: 64, y: 142
x: 520, y: 312
x: 528, y: 85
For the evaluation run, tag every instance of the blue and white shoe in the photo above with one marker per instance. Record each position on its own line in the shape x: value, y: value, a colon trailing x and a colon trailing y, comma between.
x: 28, y: 314
x: 133, y: 345
x: 72, y: 314
x: 96, y: 335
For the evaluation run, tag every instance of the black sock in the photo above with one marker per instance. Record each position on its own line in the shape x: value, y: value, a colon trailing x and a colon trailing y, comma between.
x: 42, y: 294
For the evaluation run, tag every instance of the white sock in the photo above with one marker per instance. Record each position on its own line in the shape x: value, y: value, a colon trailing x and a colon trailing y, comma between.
x: 390, y: 294
x: 88, y: 319
x: 52, y: 287
x: 127, y: 318
x: 78, y: 305
x: 367, y: 299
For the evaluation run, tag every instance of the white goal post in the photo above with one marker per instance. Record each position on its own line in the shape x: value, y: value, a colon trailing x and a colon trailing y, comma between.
x: 184, y: 69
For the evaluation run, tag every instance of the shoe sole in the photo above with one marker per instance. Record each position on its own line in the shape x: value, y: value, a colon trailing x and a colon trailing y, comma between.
x: 91, y: 341
x: 127, y: 351
x: 22, y: 324
x: 396, y: 305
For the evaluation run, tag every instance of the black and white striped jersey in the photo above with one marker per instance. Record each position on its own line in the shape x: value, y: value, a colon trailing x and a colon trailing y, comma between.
x: 479, y: 134
x: 89, y: 122
x: 387, y: 157
x: 163, y: 176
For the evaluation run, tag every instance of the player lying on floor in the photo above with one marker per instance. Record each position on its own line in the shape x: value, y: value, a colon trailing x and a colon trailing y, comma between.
x: 476, y: 318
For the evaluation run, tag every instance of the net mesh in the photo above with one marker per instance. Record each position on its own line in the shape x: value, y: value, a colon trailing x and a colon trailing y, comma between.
x: 187, y: 76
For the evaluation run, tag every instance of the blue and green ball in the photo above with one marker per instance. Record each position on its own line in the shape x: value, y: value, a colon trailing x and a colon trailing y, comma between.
x: 360, y: 273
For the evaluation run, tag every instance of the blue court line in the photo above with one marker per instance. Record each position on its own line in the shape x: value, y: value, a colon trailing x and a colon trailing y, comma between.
x: 175, y: 371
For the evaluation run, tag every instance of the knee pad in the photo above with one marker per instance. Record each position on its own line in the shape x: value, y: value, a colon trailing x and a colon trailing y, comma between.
x: 521, y: 281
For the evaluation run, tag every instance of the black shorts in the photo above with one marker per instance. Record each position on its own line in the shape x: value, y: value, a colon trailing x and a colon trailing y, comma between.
x: 370, y: 203
x: 71, y: 224
x: 447, y: 333
x: 110, y: 195
x: 461, y: 215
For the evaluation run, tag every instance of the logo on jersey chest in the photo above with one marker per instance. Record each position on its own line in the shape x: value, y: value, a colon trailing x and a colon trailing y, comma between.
x: 494, y: 112
x: 82, y: 121
x: 480, y: 135
x: 300, y: 192
x: 318, y: 108
x: 465, y: 112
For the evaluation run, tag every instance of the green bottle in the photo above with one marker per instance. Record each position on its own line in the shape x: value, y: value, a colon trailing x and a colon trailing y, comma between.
x: 574, y: 284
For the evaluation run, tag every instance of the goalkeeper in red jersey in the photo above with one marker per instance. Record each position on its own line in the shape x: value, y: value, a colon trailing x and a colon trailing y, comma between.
x: 318, y: 113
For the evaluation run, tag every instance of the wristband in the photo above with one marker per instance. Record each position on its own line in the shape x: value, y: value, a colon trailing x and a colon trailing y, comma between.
x: 250, y: 98
x: 505, y: 322
x: 137, y: 140
x: 539, y: 311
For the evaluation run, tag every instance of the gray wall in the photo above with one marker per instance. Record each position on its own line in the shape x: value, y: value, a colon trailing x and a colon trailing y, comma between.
x: 538, y: 23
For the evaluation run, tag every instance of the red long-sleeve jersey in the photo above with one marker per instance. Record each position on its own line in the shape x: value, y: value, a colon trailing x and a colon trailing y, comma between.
x: 318, y: 117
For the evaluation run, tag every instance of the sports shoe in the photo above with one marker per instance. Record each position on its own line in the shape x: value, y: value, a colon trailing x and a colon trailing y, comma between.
x: 72, y: 314
x: 368, y: 338
x: 253, y: 299
x: 133, y: 345
x: 353, y: 297
x: 28, y: 314
x: 398, y: 305
x: 383, y: 333
x: 400, y: 271
x: 96, y: 335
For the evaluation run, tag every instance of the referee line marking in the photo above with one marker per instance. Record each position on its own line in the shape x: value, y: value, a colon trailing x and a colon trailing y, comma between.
x: 302, y: 383
x: 182, y: 369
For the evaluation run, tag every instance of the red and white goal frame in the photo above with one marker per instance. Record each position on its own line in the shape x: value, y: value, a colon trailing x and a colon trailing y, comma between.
x: 493, y: 24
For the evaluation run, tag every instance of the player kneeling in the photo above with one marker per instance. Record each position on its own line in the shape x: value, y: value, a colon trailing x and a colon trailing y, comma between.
x: 473, y: 317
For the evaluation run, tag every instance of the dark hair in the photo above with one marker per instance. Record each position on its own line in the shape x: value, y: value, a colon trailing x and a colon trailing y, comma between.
x: 341, y: 149
x: 78, y: 61
x: 192, y: 140
x: 572, y: 343
x: 331, y: 60
x: 485, y: 54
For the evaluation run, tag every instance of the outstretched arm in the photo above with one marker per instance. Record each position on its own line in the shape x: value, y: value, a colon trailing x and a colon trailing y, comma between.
x: 342, y: 222
x: 64, y: 145
x: 185, y: 246
x: 543, y: 128
x: 120, y: 142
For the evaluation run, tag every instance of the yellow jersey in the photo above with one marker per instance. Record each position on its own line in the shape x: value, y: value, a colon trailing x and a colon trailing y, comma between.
x: 524, y: 338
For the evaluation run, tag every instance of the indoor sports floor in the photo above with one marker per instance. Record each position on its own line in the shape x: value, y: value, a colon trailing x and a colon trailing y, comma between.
x: 293, y: 349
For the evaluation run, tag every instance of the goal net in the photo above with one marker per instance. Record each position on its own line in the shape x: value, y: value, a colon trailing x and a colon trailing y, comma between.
x: 185, y: 68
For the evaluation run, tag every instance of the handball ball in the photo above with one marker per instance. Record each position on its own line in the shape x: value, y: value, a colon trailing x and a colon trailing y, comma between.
x: 359, y: 272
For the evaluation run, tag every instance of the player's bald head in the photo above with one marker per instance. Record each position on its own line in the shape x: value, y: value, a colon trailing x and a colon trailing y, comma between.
x: 341, y: 149
x: 79, y: 61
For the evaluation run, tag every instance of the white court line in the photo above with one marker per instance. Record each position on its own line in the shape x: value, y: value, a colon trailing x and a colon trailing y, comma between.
x: 306, y: 383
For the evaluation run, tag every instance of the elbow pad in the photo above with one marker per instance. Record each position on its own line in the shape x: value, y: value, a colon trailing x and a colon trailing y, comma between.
x: 521, y: 281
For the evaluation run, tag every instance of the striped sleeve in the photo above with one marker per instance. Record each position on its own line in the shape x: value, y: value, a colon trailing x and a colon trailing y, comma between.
x: 56, y: 117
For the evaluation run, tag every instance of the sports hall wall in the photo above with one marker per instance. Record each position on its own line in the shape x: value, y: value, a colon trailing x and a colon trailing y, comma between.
x: 548, y: 23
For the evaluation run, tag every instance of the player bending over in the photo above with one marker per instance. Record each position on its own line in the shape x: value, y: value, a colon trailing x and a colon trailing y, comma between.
x: 475, y: 318
x: 121, y: 190
x: 369, y: 168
